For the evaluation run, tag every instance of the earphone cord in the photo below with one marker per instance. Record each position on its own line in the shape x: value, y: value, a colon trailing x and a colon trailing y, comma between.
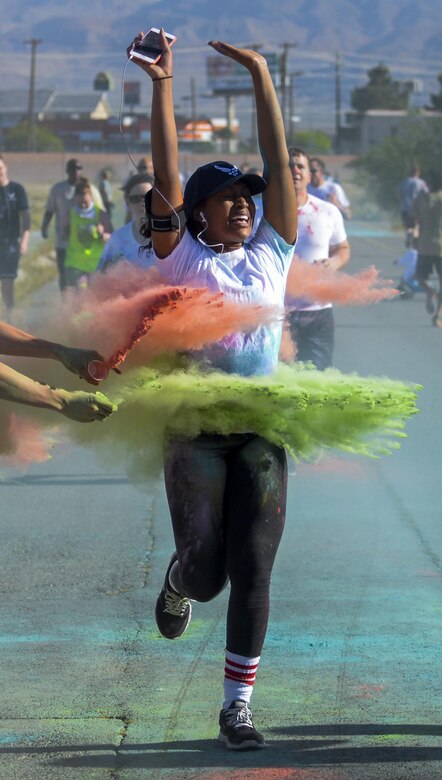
x: 121, y: 114
x: 198, y: 238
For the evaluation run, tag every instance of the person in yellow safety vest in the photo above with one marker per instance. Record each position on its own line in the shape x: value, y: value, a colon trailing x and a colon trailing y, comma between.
x: 88, y: 228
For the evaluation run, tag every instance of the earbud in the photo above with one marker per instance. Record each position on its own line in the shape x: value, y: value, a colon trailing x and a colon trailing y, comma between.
x: 203, y: 217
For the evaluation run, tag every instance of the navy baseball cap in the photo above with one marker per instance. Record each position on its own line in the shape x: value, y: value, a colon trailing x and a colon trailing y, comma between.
x: 215, y: 176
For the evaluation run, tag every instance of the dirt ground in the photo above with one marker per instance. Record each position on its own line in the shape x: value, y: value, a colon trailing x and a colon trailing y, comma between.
x: 49, y: 167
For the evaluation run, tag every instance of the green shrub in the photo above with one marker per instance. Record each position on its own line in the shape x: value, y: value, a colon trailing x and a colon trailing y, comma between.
x: 313, y: 141
x: 16, y: 139
x: 382, y: 168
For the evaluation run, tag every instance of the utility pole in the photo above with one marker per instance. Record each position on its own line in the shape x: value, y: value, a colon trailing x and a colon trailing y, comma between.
x: 193, y: 108
x: 230, y: 119
x: 292, y: 120
x: 284, y: 81
x: 338, y: 103
x: 34, y: 42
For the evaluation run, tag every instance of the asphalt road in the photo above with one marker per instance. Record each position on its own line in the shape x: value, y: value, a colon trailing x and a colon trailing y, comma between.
x: 350, y: 680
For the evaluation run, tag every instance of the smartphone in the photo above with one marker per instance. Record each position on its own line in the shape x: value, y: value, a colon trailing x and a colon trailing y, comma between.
x: 149, y: 49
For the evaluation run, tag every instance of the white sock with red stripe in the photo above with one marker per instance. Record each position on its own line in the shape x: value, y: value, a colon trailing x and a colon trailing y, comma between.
x: 239, y: 678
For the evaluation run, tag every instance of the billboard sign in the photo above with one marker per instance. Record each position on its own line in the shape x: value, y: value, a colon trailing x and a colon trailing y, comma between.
x: 131, y: 93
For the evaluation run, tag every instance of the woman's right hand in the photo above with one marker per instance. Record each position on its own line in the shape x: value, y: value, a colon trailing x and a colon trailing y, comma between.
x: 156, y: 70
x: 246, y: 57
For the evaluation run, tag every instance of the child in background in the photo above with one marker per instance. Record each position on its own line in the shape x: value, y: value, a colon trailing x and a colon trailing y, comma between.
x: 87, y: 230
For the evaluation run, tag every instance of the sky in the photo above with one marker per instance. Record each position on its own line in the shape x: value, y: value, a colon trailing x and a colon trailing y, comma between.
x: 313, y: 65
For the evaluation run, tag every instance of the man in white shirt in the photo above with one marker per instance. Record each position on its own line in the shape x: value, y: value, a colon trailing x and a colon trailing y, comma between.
x: 321, y: 239
x: 60, y: 201
x: 327, y: 189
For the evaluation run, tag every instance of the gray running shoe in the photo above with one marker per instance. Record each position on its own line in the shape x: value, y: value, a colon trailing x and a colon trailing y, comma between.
x: 172, y: 611
x: 236, y: 729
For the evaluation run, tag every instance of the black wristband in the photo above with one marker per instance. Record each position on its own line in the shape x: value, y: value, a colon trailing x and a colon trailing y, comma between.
x: 162, y: 78
x: 174, y: 222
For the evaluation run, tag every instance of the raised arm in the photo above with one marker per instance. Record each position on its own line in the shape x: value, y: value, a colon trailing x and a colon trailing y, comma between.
x: 279, y: 199
x: 167, y: 194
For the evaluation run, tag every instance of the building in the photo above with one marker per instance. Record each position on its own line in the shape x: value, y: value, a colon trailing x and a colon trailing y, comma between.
x: 76, y: 106
x: 200, y: 131
x: 84, y: 121
x: 76, y: 118
x: 14, y: 106
x: 366, y: 130
x: 81, y: 120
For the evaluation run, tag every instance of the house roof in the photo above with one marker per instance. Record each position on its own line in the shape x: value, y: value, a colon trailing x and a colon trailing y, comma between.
x: 16, y: 101
x: 49, y: 103
x: 74, y: 103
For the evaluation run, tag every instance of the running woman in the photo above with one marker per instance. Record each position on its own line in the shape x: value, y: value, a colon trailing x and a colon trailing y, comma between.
x: 226, y: 494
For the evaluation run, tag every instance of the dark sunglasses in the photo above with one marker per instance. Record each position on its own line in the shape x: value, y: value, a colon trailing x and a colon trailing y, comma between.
x: 315, y: 170
x: 136, y: 199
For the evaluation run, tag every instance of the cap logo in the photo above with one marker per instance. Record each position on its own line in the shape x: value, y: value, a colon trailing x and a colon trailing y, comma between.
x: 233, y: 171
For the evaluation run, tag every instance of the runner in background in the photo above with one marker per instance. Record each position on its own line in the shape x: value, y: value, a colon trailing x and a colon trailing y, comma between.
x: 58, y: 204
x: 15, y: 224
x: 321, y: 239
x: 325, y: 188
x: 86, y: 229
x: 130, y: 242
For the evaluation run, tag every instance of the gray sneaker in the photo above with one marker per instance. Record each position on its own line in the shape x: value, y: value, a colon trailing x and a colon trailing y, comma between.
x: 236, y: 729
x: 172, y: 611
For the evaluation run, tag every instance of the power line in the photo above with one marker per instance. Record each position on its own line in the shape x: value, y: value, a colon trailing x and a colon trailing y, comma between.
x: 284, y: 80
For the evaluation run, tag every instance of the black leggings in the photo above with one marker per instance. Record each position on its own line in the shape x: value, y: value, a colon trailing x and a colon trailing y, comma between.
x: 314, y: 335
x: 227, y: 499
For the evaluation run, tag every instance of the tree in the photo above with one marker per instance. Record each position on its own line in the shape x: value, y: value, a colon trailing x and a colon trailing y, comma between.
x: 382, y: 91
x: 313, y: 141
x: 381, y: 169
x: 436, y: 99
x: 16, y: 139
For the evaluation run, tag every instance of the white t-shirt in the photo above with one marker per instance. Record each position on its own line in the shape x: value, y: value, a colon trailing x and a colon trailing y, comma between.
x: 255, y: 273
x: 320, y: 226
x: 123, y: 245
x: 330, y: 187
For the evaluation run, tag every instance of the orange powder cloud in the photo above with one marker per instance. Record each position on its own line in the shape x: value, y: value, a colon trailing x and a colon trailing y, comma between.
x: 323, y: 285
